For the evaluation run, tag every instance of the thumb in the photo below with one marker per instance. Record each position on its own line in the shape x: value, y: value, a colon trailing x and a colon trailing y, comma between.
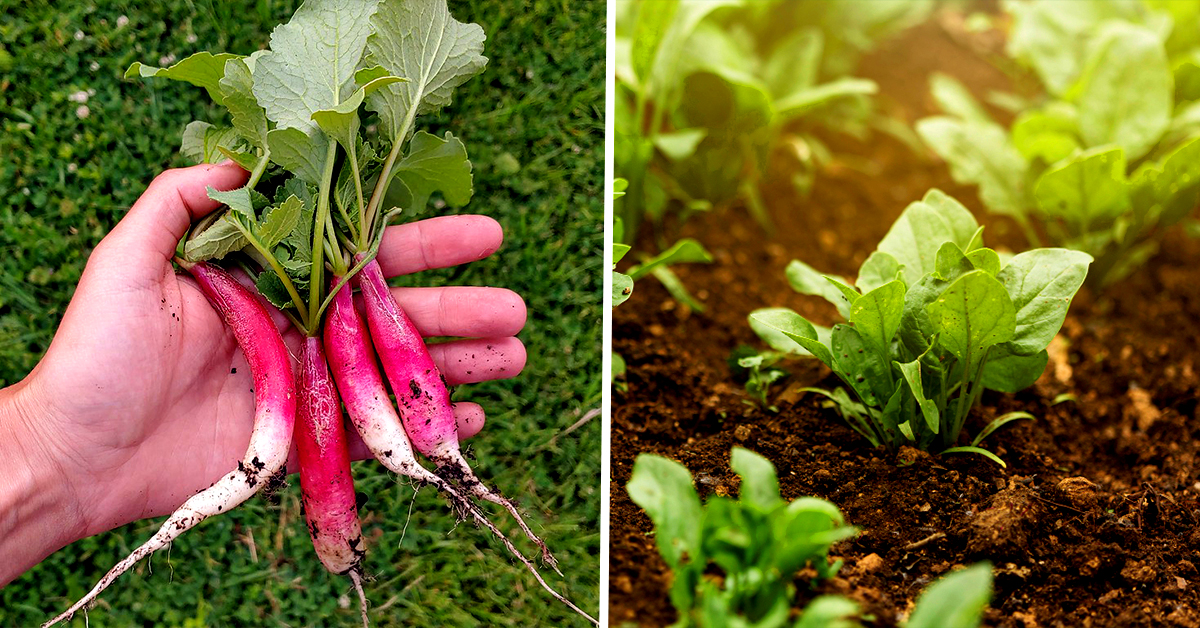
x: 173, y: 200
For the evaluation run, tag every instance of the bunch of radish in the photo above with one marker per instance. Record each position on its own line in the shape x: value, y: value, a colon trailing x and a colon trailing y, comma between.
x: 315, y: 204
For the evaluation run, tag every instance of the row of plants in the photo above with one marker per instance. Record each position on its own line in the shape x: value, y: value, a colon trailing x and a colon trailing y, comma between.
x: 1093, y: 161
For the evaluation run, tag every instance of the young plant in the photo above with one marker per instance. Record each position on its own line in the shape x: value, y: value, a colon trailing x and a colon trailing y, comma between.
x: 1108, y: 158
x: 933, y: 319
x: 758, y: 543
x: 684, y: 251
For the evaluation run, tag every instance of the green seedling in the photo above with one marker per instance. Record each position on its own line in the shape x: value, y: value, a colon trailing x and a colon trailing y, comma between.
x: 933, y: 320
x: 758, y: 543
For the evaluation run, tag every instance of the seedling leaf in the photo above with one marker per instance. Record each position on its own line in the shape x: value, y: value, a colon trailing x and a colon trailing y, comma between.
x: 760, y: 487
x: 1088, y: 189
x: 1008, y: 372
x: 1126, y: 93
x: 793, y: 326
x: 976, y: 450
x: 973, y: 314
x: 956, y: 600
x: 663, y: 488
x: 921, y: 230
x: 806, y: 280
x: 1041, y: 284
x: 877, y: 314
x: 999, y: 422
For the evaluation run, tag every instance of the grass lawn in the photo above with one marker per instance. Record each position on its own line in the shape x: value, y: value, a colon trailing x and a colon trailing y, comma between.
x: 533, y: 126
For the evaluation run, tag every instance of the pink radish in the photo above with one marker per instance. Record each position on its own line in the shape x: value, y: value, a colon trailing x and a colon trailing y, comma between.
x: 326, y: 486
x: 421, y: 393
x: 352, y: 360
x: 274, y: 415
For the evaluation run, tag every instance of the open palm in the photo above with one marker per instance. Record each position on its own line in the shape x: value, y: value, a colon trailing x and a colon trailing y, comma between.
x: 144, y: 395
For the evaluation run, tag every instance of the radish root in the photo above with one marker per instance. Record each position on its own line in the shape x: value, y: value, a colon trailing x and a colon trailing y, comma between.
x: 275, y: 412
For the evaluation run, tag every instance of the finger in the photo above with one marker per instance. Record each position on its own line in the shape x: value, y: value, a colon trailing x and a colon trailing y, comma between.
x: 438, y: 243
x: 469, y: 417
x: 173, y: 200
x: 463, y: 311
x: 478, y: 359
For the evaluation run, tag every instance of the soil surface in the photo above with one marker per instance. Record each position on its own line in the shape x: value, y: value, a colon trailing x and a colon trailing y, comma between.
x: 1093, y: 523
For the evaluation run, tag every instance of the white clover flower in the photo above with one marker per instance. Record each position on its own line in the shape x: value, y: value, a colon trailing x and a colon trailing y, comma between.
x: 72, y: 167
x: 79, y: 35
x: 122, y: 21
x: 167, y: 60
x: 79, y: 97
x: 82, y: 112
x: 191, y: 38
x: 94, y: 66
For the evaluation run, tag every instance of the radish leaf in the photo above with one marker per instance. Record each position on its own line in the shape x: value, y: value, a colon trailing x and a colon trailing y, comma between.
x: 279, y: 221
x: 202, y: 142
x: 218, y: 240
x: 298, y: 152
x: 248, y: 117
x: 312, y: 60
x: 432, y: 164
x: 202, y: 69
x: 420, y: 41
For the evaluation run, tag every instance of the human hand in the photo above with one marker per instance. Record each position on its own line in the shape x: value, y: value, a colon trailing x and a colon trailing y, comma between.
x: 144, y: 397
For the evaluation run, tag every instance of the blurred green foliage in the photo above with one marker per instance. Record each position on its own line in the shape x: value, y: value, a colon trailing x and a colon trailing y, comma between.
x: 69, y: 168
x: 708, y: 91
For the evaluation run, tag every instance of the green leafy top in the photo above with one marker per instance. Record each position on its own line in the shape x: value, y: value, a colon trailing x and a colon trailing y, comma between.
x: 934, y: 319
x: 318, y: 185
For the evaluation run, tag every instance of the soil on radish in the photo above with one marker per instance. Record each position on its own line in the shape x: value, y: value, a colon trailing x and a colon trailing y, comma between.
x: 1095, y: 521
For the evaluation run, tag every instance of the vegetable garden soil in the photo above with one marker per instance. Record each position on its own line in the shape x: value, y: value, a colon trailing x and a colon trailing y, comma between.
x: 1095, y: 520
